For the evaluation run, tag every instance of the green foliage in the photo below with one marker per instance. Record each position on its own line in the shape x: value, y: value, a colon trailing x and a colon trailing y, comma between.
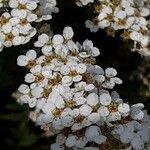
x: 20, y: 134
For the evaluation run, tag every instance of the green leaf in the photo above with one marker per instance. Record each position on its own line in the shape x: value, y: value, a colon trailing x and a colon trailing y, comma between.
x: 27, y: 140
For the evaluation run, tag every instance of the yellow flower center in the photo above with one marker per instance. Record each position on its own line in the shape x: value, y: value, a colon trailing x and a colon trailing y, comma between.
x: 122, y: 22
x: 46, y: 93
x: 80, y: 133
x: 73, y: 73
x: 95, y: 21
x: 89, y: 60
x: 87, y: 77
x: 70, y: 104
x: 39, y: 78
x: 111, y: 32
x: 57, y: 112
x: 95, y: 108
x: 48, y: 59
x: 74, y: 52
x: 125, y: 35
x: 24, y: 21
x: 21, y: 6
x: 31, y: 64
x: 113, y: 107
x: 9, y: 37
x: 3, y: 20
x: 115, y: 2
x: 137, y: 13
x: 110, y: 17
x: 55, y: 81
x: 78, y: 119
x: 63, y: 60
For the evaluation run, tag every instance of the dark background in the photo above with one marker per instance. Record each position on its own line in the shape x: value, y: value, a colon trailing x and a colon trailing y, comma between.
x: 16, y: 131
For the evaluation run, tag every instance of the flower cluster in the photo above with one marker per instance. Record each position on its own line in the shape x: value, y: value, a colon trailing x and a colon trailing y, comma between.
x: 16, y: 22
x: 127, y: 16
x: 81, y: 3
x: 72, y: 97
x: 127, y: 135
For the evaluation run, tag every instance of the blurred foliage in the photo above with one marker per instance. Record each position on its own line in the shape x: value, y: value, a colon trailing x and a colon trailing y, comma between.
x: 16, y: 131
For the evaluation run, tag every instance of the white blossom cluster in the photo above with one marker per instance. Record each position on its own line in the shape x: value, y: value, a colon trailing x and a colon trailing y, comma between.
x: 72, y: 97
x: 128, y: 135
x: 128, y: 16
x: 16, y: 22
x: 81, y: 3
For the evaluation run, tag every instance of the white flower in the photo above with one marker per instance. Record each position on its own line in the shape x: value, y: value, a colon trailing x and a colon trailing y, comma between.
x: 37, y: 92
x: 23, y: 60
x: 103, y: 24
x: 24, y: 99
x: 92, y: 26
x: 43, y: 119
x: 22, y: 4
x: 60, y: 139
x: 144, y: 12
x: 126, y: 136
x: 92, y: 99
x: 56, y: 146
x: 137, y: 143
x: 24, y: 89
x: 120, y: 14
x: 103, y: 111
x: 81, y: 142
x: 40, y: 103
x: 94, y: 117
x: 71, y: 141
x: 129, y: 10
x: 32, y: 102
x: 68, y: 33
x: 85, y: 110
x: 93, y: 134
x: 72, y: 72
x: 42, y: 40
x: 107, y: 9
x: 135, y: 36
x: 123, y: 108
x: 102, y: 16
x: 7, y: 28
x: 136, y: 112
x: 125, y: 3
x: 89, y: 49
x: 18, y: 40
x: 110, y: 72
x: 105, y: 99
x: 67, y: 121
x: 111, y: 80
x: 29, y: 78
x: 84, y: 2
x: 114, y: 116
x: 57, y: 40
